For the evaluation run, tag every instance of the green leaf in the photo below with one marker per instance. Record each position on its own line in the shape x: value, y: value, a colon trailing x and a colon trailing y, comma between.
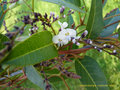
x: 109, y: 30
x: 34, y: 76
x: 66, y: 4
x: 70, y: 20
x: 91, y: 74
x: 75, y: 2
x: 3, y: 39
x: 2, y: 9
x: 95, y: 21
x: 39, y: 47
x: 119, y: 33
x: 28, y: 85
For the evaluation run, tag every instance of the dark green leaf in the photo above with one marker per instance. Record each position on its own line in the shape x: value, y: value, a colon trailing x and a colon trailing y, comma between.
x: 109, y: 30
x: 66, y: 4
x: 3, y: 39
x: 119, y: 33
x: 95, y: 21
x: 2, y: 9
x: 39, y: 47
x: 91, y: 75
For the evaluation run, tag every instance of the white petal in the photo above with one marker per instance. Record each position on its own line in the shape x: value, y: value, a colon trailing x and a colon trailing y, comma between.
x: 59, y: 23
x: 55, y: 39
x: 65, y: 24
x: 73, y: 40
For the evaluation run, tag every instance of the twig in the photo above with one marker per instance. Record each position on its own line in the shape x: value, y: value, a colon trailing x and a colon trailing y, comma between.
x: 111, y: 24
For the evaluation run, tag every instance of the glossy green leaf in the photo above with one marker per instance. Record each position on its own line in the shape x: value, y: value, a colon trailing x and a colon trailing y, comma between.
x: 66, y: 4
x: 109, y: 30
x: 91, y: 74
x: 75, y: 2
x: 2, y: 9
x: 39, y: 47
x: 3, y: 39
x: 95, y: 20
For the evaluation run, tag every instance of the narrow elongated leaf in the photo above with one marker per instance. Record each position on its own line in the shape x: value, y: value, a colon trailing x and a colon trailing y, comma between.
x: 70, y: 20
x: 2, y: 9
x: 109, y: 30
x: 75, y: 2
x: 66, y: 4
x: 33, y: 50
x: 91, y: 75
x: 119, y: 33
x: 95, y: 21
x: 2, y: 40
x: 34, y: 76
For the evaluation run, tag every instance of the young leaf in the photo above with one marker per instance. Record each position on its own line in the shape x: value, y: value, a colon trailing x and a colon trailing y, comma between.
x: 95, y: 21
x: 2, y: 9
x: 2, y: 40
x: 37, y: 48
x: 109, y: 30
x: 91, y: 75
x: 66, y: 4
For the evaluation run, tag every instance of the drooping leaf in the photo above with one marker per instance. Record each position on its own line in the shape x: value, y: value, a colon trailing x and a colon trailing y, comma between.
x: 3, y: 39
x: 34, y: 76
x: 37, y: 48
x: 2, y: 9
x: 66, y: 4
x: 91, y: 75
x: 109, y: 30
x: 75, y: 2
x: 95, y: 21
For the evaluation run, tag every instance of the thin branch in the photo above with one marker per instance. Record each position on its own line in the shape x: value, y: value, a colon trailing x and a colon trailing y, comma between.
x: 111, y: 24
x: 111, y: 16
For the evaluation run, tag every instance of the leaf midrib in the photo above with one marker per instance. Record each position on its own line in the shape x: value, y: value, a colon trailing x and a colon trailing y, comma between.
x: 88, y: 73
x: 31, y: 51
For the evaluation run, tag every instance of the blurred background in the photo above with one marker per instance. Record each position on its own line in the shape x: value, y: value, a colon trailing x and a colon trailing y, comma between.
x: 109, y: 64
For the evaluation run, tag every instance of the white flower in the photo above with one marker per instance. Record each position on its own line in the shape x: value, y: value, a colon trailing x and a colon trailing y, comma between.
x: 68, y: 33
x: 63, y: 25
x: 60, y: 40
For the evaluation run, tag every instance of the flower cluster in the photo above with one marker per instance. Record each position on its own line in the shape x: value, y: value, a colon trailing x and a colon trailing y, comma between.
x: 66, y: 35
